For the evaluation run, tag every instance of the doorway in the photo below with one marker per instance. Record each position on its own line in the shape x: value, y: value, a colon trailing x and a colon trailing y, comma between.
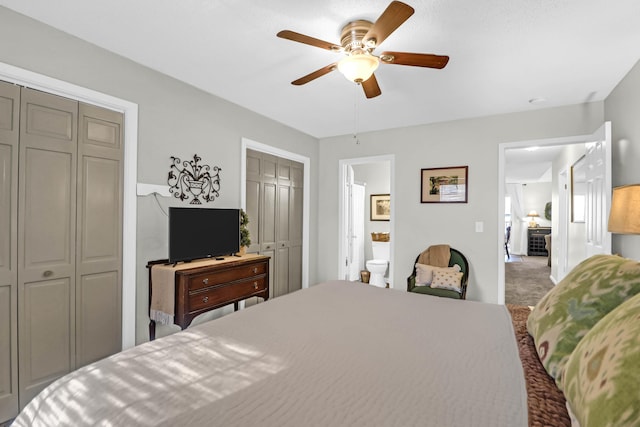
x: 373, y: 175
x: 575, y: 241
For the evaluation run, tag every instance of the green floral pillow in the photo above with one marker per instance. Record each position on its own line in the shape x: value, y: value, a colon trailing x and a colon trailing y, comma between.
x: 602, y: 376
x: 591, y: 290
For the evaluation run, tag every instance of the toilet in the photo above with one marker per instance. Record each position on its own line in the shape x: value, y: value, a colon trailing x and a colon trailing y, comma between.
x: 378, y: 265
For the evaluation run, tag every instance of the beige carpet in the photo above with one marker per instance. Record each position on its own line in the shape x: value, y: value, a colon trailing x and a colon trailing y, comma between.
x: 526, y: 281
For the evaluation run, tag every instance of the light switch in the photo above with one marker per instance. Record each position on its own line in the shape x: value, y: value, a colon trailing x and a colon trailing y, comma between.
x: 479, y: 226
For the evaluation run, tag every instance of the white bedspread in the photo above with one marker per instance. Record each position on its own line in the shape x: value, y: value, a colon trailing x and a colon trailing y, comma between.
x: 336, y: 354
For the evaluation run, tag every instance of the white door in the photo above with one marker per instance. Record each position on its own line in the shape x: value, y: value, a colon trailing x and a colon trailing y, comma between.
x: 347, y: 219
x: 562, y: 257
x: 356, y: 232
x: 598, y: 200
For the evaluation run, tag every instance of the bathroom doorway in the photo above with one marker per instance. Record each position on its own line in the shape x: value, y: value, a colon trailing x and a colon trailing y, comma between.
x: 360, y: 178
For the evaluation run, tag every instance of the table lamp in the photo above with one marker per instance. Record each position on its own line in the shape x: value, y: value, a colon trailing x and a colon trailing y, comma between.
x: 533, y: 215
x: 624, y: 217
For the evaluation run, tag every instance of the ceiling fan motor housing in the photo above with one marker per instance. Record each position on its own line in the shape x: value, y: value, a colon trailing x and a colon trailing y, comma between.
x: 352, y: 36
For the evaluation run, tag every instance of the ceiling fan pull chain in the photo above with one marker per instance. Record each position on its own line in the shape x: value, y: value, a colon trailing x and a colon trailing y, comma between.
x: 355, y: 114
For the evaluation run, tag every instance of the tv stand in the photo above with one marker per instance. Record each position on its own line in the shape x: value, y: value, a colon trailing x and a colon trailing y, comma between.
x: 211, y: 284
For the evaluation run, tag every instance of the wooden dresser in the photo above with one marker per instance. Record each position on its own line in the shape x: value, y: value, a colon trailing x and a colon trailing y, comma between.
x: 211, y: 284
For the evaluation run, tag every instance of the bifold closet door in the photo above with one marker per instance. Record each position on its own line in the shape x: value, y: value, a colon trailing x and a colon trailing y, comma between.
x: 46, y: 239
x: 99, y: 234
x: 9, y: 131
x: 274, y: 194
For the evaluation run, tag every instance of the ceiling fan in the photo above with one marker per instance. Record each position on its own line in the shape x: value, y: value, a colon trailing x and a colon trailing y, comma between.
x: 358, y: 41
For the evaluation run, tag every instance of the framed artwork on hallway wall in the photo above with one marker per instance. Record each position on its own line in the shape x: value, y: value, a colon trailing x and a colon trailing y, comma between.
x: 380, y: 207
x: 444, y: 185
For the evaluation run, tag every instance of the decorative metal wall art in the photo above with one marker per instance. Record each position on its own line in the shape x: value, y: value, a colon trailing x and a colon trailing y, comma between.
x: 194, y: 179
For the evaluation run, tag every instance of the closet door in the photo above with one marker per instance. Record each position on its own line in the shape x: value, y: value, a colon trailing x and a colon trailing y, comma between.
x: 268, y: 217
x: 295, y: 226
x: 282, y: 227
x: 46, y: 239
x: 9, y: 131
x: 274, y: 203
x: 99, y: 235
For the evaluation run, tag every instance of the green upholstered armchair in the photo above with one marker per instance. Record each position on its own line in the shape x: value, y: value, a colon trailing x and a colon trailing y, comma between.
x: 456, y: 258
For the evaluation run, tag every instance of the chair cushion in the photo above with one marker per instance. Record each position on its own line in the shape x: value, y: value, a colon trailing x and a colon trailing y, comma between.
x: 447, y: 280
x: 424, y: 273
x: 439, y: 292
x: 568, y: 311
x: 603, y: 373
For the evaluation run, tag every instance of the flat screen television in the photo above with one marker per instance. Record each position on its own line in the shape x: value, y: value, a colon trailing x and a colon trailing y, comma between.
x: 202, y: 233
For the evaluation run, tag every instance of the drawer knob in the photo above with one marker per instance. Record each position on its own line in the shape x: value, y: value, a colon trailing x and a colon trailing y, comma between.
x: 205, y: 299
x: 205, y: 281
x: 255, y: 285
x: 47, y: 273
x: 255, y: 270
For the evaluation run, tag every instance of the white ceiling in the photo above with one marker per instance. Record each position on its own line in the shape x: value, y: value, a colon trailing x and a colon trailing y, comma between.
x: 503, y: 53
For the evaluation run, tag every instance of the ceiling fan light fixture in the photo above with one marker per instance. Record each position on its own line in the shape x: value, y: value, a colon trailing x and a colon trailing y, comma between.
x: 358, y: 67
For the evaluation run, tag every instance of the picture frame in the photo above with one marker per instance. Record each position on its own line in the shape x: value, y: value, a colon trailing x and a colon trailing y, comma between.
x: 380, y: 207
x: 579, y: 190
x: 444, y: 185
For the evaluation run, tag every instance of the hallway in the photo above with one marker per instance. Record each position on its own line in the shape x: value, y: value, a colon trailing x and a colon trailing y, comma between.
x: 526, y: 279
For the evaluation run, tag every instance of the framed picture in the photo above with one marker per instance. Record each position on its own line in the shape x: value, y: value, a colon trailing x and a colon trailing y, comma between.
x: 444, y: 185
x: 380, y: 207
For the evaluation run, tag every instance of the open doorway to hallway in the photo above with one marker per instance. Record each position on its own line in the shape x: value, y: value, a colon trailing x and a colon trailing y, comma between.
x: 576, y: 230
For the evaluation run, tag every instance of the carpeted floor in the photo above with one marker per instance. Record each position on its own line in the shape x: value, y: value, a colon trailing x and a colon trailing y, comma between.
x: 526, y: 280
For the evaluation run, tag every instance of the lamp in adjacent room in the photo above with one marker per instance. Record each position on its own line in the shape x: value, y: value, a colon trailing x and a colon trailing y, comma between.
x: 624, y: 217
x: 533, y: 215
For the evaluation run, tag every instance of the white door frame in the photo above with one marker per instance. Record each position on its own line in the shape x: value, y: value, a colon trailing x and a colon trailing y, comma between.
x: 44, y: 83
x: 342, y: 165
x: 578, y: 139
x: 248, y: 144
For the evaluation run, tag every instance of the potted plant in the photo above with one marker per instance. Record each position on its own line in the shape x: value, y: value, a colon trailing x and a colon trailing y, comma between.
x: 245, y: 239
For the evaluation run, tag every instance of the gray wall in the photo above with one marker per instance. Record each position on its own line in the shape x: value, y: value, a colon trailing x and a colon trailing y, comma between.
x: 471, y: 142
x: 175, y: 119
x: 622, y: 107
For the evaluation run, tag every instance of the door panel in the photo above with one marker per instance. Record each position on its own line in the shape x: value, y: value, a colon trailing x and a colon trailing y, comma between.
x: 47, y: 239
x: 99, y: 311
x: 9, y: 132
x: 598, y: 200
x: 99, y: 235
x: 282, y: 272
x: 49, y: 194
x: 269, y: 217
x: 283, y: 216
x: 46, y: 345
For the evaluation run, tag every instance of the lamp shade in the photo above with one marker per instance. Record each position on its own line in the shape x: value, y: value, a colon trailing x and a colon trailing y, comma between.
x: 624, y: 217
x: 358, y: 67
x: 533, y: 214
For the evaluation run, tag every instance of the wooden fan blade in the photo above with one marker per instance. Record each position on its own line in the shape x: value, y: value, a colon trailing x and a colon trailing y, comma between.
x: 318, y: 73
x: 371, y: 88
x: 414, y: 59
x: 393, y: 16
x: 301, y: 38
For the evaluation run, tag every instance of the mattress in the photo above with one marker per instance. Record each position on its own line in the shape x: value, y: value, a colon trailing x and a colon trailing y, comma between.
x: 336, y: 354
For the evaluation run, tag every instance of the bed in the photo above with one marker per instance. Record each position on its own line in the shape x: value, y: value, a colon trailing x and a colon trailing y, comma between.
x: 336, y: 354
x: 340, y: 354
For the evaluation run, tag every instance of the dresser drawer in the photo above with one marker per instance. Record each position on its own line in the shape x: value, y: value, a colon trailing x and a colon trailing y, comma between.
x: 206, y: 280
x: 220, y: 295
